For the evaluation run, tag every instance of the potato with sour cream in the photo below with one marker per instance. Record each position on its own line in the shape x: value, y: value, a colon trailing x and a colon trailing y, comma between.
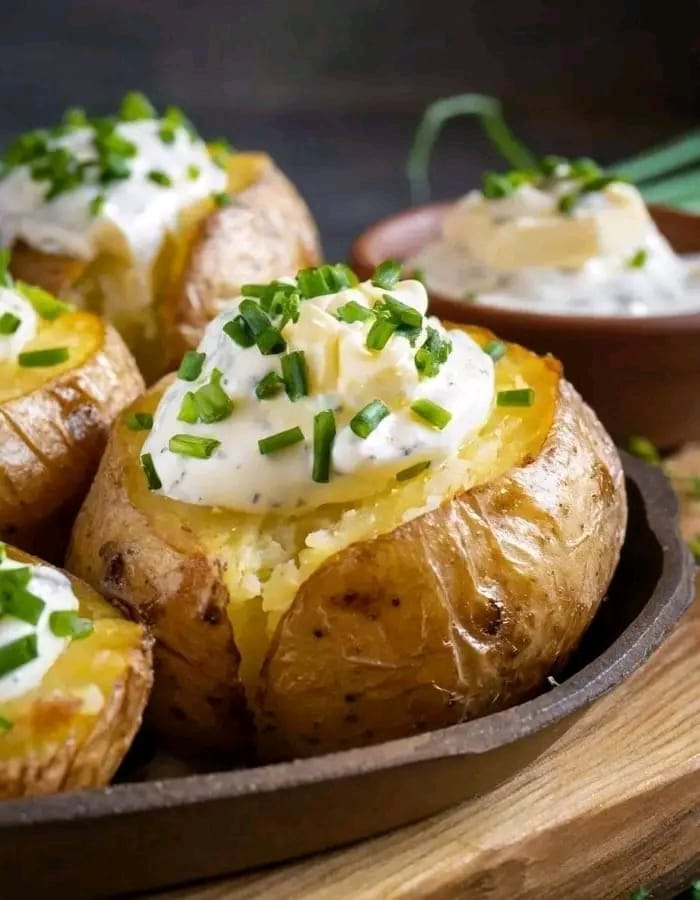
x: 64, y: 376
x: 74, y: 680
x: 136, y: 218
x: 346, y: 521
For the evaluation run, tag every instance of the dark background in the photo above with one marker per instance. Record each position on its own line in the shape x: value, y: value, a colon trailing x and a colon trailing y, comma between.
x: 334, y: 88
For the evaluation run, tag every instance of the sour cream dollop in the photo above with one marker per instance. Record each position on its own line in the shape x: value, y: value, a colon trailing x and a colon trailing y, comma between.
x: 18, y: 324
x: 54, y: 589
x: 600, y: 255
x: 343, y: 376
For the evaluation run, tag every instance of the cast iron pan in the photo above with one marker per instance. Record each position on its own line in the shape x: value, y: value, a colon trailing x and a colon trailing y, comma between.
x: 138, y: 836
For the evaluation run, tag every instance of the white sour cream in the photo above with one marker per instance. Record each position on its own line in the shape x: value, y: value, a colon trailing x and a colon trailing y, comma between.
x: 343, y: 376
x: 520, y: 253
x: 54, y: 588
x: 14, y: 304
x: 136, y: 212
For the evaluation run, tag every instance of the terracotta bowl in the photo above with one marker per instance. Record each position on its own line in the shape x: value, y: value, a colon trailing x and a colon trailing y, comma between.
x: 642, y: 376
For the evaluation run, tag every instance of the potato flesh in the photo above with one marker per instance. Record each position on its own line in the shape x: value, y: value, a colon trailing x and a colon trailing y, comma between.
x: 73, y: 729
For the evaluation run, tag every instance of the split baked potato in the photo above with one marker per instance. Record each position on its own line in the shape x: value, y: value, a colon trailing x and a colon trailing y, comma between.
x: 54, y: 421
x: 265, y: 231
x: 410, y: 610
x: 73, y: 729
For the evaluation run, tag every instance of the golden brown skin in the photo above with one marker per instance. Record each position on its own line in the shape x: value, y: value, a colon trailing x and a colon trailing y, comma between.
x: 53, y: 429
x: 266, y: 232
x: 74, y: 729
x: 459, y: 612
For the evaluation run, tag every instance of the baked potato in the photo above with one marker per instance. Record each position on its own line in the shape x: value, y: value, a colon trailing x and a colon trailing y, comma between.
x: 447, y: 596
x: 253, y: 226
x: 73, y: 727
x: 54, y: 420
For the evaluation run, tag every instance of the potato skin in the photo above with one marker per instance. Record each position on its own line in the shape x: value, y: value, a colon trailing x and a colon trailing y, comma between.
x: 197, y: 701
x: 458, y: 613
x: 53, y: 746
x: 51, y: 440
x: 266, y: 232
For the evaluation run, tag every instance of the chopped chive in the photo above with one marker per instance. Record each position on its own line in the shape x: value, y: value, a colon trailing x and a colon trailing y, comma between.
x: 435, y: 415
x: 517, y: 397
x: 271, y: 342
x: 192, y: 445
x: 23, y: 605
x: 149, y: 470
x: 35, y: 359
x: 295, y: 374
x: 399, y: 312
x: 45, y: 305
x: 387, y: 274
x: 368, y: 418
x: 97, y: 204
x: 193, y: 172
x: 5, y: 724
x: 269, y: 386
x: 212, y: 403
x: 237, y: 329
x: 254, y: 316
x: 495, y: 186
x: 566, y: 203
x: 188, y: 410
x: 222, y: 198
x: 379, y: 334
x: 279, y: 441
x: 66, y: 623
x: 3, y: 551
x: 643, y: 448
x: 324, y: 436
x: 191, y: 365
x: 412, y: 471
x: 419, y: 275
x: 352, y: 311
x: 18, y: 653
x: 220, y: 150
x: 9, y: 323
x: 638, y: 260
x: 140, y: 421
x: 432, y: 354
x: 162, y: 179
x: 495, y: 349
x: 136, y: 106
x: 313, y: 283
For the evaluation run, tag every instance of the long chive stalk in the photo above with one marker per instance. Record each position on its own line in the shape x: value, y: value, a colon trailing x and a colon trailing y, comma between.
x: 662, y: 160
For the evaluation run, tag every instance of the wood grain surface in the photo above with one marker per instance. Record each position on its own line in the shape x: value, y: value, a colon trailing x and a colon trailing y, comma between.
x: 612, y: 807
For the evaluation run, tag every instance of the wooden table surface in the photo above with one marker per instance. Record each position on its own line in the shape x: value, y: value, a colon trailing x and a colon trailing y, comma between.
x: 612, y: 807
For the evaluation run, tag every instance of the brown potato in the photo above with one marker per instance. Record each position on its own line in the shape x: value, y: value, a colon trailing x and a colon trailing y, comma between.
x: 265, y: 232
x: 73, y: 730
x: 398, y: 626
x: 53, y: 428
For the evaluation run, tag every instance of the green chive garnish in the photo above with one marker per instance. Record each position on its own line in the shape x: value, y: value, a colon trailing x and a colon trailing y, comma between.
x: 566, y: 203
x: 192, y: 445
x: 162, y: 179
x: 435, y: 415
x: 269, y: 386
x: 238, y: 330
x: 295, y: 374
x: 66, y: 623
x: 517, y: 397
x: 45, y: 304
x: 188, y: 410
x: 222, y: 198
x: 212, y: 403
x: 495, y: 349
x: 279, y: 441
x: 193, y: 172
x: 400, y: 313
x: 495, y: 186
x: 35, y: 359
x: 97, y: 204
x: 366, y: 420
x: 18, y: 653
x: 24, y: 605
x: 255, y: 318
x: 136, y: 106
x: 352, y: 311
x: 643, y: 448
x: 638, y: 260
x: 379, y: 334
x: 5, y: 724
x: 324, y: 436
x: 140, y: 421
x: 149, y: 470
x: 9, y: 323
x: 412, y: 471
x: 433, y: 353
x: 387, y: 274
x: 271, y: 342
x: 191, y: 365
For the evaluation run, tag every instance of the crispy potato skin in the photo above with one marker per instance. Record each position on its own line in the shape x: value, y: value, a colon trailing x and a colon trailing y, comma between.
x: 198, y: 700
x: 458, y: 613
x: 55, y: 744
x: 266, y: 232
x: 51, y: 440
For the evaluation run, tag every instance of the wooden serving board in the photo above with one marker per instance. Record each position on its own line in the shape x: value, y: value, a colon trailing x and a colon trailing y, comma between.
x: 612, y: 807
